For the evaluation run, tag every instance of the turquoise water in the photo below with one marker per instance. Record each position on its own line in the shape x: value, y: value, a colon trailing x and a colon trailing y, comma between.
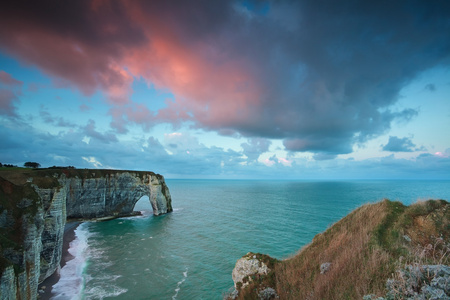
x: 190, y: 253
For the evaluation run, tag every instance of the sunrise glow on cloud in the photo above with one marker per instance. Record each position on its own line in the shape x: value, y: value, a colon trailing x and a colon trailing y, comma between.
x: 228, y: 89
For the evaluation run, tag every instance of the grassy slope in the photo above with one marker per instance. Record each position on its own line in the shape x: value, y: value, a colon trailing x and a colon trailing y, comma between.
x: 365, y: 248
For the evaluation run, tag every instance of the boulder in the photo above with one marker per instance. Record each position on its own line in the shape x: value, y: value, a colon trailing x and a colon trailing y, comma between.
x: 247, y: 266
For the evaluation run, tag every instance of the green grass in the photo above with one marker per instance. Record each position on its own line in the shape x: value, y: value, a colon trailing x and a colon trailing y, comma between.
x: 12, y: 169
x: 385, y: 235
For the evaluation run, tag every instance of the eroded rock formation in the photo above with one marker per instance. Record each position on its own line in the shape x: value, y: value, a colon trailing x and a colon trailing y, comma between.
x: 114, y: 194
x: 247, y: 266
x: 34, y: 207
x: 253, y: 268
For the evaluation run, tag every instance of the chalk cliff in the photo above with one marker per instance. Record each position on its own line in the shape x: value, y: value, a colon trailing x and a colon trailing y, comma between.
x: 34, y: 207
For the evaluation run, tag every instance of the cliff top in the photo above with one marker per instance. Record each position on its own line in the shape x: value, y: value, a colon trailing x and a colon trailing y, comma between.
x: 46, y: 177
x: 357, y: 255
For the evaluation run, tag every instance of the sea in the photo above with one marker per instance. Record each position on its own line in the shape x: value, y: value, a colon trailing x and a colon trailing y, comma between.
x: 191, y: 252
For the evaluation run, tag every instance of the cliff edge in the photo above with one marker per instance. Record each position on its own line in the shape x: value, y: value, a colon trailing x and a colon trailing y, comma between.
x: 34, y: 207
x: 379, y: 251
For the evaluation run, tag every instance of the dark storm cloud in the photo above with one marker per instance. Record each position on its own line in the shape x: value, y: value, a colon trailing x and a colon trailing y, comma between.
x: 255, y: 147
x: 320, y: 75
x: 396, y: 144
x: 93, y: 22
x: 77, y: 42
x: 336, y: 69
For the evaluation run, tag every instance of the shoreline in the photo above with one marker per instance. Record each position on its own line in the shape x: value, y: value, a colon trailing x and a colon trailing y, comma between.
x: 46, y: 287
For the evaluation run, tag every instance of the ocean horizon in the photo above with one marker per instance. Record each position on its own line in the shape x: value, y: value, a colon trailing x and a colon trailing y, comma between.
x: 191, y: 252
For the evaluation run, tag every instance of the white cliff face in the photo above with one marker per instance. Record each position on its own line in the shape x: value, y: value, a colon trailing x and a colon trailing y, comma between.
x: 115, y: 194
x: 159, y: 193
x: 28, y: 227
x: 33, y: 217
x: 53, y: 230
x: 8, y: 284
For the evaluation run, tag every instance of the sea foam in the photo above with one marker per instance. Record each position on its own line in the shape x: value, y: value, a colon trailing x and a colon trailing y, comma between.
x: 185, y: 275
x: 71, y: 283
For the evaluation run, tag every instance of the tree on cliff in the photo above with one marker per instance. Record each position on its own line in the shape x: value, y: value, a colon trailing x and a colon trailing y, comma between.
x: 30, y: 164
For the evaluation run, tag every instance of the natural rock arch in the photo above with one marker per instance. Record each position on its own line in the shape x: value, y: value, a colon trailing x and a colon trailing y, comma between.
x: 115, y: 194
x: 143, y: 204
x: 42, y: 201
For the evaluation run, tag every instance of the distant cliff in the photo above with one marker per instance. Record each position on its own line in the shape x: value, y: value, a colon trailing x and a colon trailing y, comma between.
x: 34, y: 207
x: 379, y: 251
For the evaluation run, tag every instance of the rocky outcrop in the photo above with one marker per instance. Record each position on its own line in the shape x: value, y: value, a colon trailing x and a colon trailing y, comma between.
x: 247, y: 266
x: 254, y: 268
x: 267, y: 294
x: 325, y: 267
x: 34, y: 206
x: 418, y: 282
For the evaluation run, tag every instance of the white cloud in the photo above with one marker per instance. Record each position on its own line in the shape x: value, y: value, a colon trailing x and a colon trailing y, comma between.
x: 92, y: 160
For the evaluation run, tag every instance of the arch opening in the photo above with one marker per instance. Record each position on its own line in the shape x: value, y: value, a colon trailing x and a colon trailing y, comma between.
x: 143, y: 206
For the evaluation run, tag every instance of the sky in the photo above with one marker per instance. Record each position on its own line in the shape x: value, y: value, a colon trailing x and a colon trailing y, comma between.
x: 228, y: 89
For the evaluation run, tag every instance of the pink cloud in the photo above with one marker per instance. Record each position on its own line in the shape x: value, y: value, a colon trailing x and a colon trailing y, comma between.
x: 277, y: 160
x: 234, y: 72
x: 441, y: 154
x: 7, y: 80
x: 7, y: 99
x: 212, y: 88
x: 10, y: 88
x: 284, y: 161
x: 71, y: 60
x: 216, y: 90
x: 268, y: 162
